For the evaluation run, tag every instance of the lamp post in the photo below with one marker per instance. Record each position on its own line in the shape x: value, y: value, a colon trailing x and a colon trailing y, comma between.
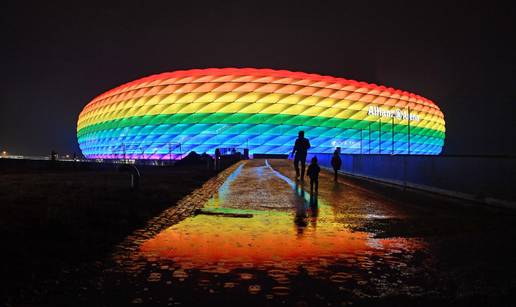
x: 380, y: 137
x: 392, y: 136
x: 369, y: 140
x: 408, y: 126
x: 124, y: 152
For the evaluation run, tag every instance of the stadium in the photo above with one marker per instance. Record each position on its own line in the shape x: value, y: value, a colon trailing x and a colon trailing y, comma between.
x: 168, y: 115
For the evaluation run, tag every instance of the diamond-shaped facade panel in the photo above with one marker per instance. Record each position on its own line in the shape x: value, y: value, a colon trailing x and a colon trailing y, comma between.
x: 168, y: 115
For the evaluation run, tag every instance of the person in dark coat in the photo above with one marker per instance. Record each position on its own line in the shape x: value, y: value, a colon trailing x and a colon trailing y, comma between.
x: 217, y: 159
x: 300, y: 151
x: 336, y: 163
x: 313, y: 172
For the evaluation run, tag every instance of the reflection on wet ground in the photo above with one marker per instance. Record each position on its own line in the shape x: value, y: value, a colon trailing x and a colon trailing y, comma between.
x: 296, y: 248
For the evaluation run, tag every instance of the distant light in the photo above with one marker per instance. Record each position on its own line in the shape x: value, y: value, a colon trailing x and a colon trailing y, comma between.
x: 68, y: 156
x: 4, y: 152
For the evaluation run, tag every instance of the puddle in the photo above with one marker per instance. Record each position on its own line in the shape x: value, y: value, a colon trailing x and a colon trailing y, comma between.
x: 280, y: 247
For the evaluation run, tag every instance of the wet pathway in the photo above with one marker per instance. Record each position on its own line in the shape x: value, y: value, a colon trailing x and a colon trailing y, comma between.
x: 293, y: 249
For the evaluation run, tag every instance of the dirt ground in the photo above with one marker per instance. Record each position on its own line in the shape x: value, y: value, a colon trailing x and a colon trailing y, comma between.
x: 54, y: 219
x: 83, y: 238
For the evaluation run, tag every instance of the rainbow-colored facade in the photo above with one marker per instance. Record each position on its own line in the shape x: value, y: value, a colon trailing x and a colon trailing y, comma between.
x: 168, y: 115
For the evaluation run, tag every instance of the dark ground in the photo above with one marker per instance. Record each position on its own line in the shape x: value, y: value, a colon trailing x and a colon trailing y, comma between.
x: 473, y: 246
x: 60, y: 229
x: 55, y: 217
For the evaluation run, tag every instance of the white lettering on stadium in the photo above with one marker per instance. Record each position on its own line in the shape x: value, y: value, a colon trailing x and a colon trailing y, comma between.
x: 395, y: 113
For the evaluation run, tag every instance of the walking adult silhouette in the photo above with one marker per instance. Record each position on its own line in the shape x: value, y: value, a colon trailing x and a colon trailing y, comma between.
x: 300, y: 151
x: 336, y: 163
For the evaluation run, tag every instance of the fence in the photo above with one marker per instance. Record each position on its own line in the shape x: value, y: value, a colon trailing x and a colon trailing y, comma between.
x: 486, y: 179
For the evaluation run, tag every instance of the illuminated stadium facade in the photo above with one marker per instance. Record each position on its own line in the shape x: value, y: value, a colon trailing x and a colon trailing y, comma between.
x: 166, y: 116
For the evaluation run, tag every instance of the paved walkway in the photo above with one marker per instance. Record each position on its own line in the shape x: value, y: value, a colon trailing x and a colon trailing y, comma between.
x: 295, y: 249
x: 262, y: 239
x: 252, y: 236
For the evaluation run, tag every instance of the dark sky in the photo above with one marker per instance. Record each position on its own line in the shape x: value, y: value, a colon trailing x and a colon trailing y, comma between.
x: 56, y: 56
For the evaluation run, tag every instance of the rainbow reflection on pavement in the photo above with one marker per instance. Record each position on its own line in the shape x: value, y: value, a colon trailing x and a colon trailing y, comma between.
x: 283, y: 243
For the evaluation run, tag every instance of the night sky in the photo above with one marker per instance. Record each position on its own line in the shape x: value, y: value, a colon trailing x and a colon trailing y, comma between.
x: 57, y: 56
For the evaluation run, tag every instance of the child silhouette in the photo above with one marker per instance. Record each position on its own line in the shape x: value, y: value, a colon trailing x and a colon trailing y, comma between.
x: 313, y: 172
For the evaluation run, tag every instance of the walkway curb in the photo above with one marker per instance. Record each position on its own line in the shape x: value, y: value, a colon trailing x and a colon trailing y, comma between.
x: 454, y: 195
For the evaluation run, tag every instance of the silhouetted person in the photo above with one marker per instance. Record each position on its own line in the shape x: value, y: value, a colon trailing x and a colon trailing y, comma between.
x: 313, y: 172
x: 336, y: 163
x: 217, y: 159
x: 300, y: 150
